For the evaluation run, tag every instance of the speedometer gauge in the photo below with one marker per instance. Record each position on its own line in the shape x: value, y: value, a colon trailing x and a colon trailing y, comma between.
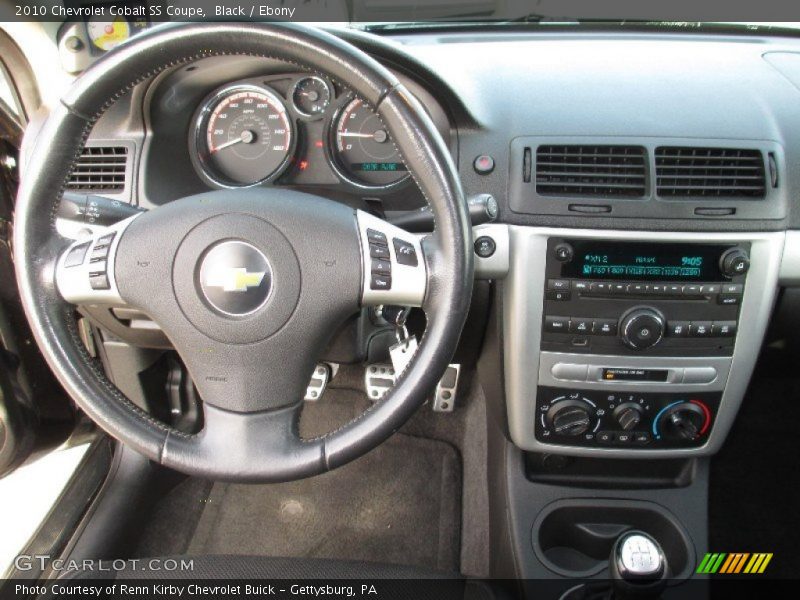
x: 364, y: 153
x: 243, y: 136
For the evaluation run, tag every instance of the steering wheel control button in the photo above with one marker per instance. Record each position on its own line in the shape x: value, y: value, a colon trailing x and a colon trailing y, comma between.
x: 377, y: 251
x: 483, y: 164
x: 380, y: 282
x: 235, y: 278
x: 99, y: 281
x: 76, y: 255
x: 485, y: 246
x: 377, y: 237
x: 405, y: 253
x: 381, y: 267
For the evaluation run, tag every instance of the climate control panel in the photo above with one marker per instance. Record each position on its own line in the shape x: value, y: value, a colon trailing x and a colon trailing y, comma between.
x: 592, y: 418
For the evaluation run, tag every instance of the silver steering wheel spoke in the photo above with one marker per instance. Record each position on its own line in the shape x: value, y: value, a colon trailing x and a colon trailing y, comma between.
x: 393, y: 263
x: 85, y: 270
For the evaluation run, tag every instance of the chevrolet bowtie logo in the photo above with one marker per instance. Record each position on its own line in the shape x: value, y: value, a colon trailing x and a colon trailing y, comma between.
x: 234, y: 279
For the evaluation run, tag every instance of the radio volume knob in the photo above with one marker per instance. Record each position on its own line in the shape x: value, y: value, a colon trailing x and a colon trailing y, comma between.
x: 642, y: 328
x: 734, y: 262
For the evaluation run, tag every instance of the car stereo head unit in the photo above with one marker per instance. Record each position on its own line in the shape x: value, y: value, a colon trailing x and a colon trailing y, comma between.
x: 652, y: 298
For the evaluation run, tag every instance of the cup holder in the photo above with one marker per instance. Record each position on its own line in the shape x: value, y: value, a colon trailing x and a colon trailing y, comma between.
x: 573, y: 538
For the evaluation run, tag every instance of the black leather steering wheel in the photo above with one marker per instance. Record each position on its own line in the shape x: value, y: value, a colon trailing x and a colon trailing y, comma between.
x: 288, y: 269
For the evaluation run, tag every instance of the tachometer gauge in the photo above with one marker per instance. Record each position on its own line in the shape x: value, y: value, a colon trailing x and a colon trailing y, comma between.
x: 364, y: 153
x: 243, y: 136
x: 105, y: 35
x: 311, y: 96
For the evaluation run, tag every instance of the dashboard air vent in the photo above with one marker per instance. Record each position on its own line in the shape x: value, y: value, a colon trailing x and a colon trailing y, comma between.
x: 591, y: 171
x: 709, y: 172
x: 100, y: 169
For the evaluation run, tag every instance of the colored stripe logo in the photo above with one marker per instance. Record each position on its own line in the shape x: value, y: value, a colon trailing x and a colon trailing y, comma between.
x: 734, y: 563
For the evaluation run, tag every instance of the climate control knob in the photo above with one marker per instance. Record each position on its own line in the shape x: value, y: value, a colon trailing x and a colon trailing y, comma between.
x: 642, y: 328
x: 628, y: 415
x: 569, y: 417
x: 685, y: 421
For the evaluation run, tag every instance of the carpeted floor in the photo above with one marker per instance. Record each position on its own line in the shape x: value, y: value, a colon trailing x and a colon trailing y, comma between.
x: 399, y: 504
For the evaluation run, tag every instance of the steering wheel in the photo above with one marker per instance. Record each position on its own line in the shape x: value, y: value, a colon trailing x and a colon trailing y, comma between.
x: 248, y: 284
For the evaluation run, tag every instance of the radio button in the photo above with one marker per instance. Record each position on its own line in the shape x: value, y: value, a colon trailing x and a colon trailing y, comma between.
x: 729, y: 299
x: 678, y: 329
x: 637, y: 288
x: 732, y: 288
x: 691, y: 290
x: 558, y: 296
x: 598, y: 287
x: 556, y: 324
x: 578, y: 325
x: 723, y: 328
x: 657, y: 289
x: 561, y: 285
x: 674, y: 289
x: 618, y: 288
x: 700, y: 329
x: 604, y: 327
x: 580, y: 286
x: 711, y: 289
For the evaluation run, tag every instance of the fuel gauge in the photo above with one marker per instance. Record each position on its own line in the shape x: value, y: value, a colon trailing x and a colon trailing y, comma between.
x: 311, y: 96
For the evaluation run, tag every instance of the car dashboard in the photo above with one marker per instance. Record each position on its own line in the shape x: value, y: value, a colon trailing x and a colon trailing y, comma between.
x: 646, y: 217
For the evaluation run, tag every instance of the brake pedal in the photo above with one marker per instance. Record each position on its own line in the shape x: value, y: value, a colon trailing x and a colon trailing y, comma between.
x: 445, y: 398
x: 378, y: 380
x: 319, y: 381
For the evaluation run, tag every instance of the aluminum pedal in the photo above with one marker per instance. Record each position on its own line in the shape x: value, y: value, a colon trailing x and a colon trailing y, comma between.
x: 378, y: 380
x: 445, y: 398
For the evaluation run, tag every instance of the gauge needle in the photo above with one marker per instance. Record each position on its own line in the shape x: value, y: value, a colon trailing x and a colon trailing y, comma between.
x: 379, y: 136
x: 247, y: 137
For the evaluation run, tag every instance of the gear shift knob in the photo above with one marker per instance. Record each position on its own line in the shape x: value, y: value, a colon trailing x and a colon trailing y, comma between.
x: 638, y: 566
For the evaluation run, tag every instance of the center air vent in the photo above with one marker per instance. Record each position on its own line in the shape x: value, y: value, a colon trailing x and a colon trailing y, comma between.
x: 600, y: 171
x: 709, y: 172
x: 100, y: 169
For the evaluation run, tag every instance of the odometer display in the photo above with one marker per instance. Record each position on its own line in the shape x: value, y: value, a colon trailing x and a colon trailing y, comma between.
x: 244, y: 136
x: 364, y: 152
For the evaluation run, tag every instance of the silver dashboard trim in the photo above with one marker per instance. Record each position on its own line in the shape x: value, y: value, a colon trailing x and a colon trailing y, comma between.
x: 523, y: 307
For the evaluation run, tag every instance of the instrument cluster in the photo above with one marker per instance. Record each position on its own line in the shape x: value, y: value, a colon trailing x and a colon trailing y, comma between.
x: 272, y: 129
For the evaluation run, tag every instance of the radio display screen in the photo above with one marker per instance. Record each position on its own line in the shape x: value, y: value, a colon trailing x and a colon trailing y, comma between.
x: 645, y: 262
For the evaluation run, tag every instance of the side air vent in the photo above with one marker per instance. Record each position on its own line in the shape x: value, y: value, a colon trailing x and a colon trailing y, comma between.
x: 709, y: 172
x: 601, y: 171
x: 100, y: 169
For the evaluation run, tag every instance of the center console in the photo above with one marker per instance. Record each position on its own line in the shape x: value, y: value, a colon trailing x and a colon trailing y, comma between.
x: 632, y: 344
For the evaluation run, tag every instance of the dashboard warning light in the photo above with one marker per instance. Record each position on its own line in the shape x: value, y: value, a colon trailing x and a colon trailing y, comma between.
x: 303, y: 165
x: 318, y: 143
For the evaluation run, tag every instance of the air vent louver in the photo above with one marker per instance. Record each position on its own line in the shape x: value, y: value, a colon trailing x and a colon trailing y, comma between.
x: 100, y: 169
x: 709, y: 172
x: 604, y: 171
